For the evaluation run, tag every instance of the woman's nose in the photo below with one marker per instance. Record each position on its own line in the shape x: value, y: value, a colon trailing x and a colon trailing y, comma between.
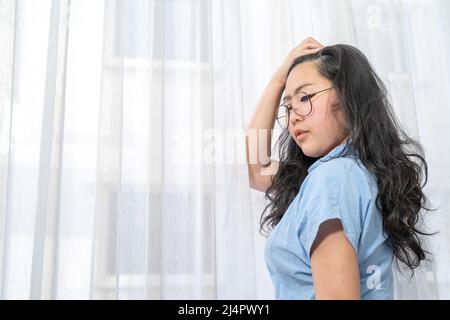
x: 295, y: 117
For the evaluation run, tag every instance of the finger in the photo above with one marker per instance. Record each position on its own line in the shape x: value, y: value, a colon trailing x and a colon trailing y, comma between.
x: 313, y: 42
x: 313, y: 46
x: 311, y: 51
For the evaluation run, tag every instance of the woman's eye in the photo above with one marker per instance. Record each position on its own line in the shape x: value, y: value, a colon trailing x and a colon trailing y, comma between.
x: 304, y: 99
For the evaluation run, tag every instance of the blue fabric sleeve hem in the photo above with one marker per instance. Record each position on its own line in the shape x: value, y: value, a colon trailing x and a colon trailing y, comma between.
x: 308, y: 240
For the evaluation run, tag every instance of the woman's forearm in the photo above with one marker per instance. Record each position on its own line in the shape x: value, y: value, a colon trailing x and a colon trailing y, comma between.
x: 259, y: 131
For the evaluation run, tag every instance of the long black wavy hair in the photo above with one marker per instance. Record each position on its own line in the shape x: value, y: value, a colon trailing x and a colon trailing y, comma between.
x: 376, y: 139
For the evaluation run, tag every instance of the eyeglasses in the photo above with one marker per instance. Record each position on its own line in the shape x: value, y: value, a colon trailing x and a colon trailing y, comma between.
x: 300, y: 103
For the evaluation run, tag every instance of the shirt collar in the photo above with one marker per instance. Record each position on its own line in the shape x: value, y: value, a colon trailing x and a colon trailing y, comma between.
x: 335, y: 152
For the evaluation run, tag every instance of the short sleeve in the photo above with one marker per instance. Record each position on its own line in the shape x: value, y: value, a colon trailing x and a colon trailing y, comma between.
x: 336, y: 190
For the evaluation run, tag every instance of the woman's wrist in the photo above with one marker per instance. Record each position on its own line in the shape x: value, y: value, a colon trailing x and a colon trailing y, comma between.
x: 280, y: 77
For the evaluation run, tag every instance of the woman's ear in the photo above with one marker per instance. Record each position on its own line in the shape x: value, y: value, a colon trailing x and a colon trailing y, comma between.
x: 333, y: 99
x: 335, y: 106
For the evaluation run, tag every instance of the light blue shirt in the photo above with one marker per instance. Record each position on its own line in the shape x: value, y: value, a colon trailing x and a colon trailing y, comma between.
x: 335, y: 187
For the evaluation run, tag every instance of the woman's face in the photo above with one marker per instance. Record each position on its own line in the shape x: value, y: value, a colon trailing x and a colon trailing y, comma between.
x: 324, y: 129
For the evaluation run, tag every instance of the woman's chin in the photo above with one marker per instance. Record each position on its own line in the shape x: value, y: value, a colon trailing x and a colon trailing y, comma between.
x: 306, y: 149
x: 309, y: 150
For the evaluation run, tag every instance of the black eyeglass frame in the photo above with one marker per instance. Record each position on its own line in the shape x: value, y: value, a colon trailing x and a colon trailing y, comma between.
x: 289, y: 107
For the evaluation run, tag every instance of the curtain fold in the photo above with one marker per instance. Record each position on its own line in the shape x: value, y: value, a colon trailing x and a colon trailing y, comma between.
x: 7, y: 34
x: 233, y: 218
x: 122, y: 146
x: 45, y: 241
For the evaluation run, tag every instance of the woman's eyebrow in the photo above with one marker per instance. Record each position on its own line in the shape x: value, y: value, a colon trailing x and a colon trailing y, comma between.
x: 299, y: 88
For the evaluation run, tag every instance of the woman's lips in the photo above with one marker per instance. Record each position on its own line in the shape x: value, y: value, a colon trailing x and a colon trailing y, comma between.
x: 300, y: 135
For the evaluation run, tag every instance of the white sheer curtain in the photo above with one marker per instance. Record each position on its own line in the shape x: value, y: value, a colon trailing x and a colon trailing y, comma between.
x: 122, y: 159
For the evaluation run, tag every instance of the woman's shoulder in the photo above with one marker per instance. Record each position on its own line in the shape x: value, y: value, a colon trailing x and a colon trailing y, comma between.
x: 340, y: 172
x: 339, y: 187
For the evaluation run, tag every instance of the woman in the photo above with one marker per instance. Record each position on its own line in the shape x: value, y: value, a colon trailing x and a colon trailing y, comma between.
x: 345, y: 196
